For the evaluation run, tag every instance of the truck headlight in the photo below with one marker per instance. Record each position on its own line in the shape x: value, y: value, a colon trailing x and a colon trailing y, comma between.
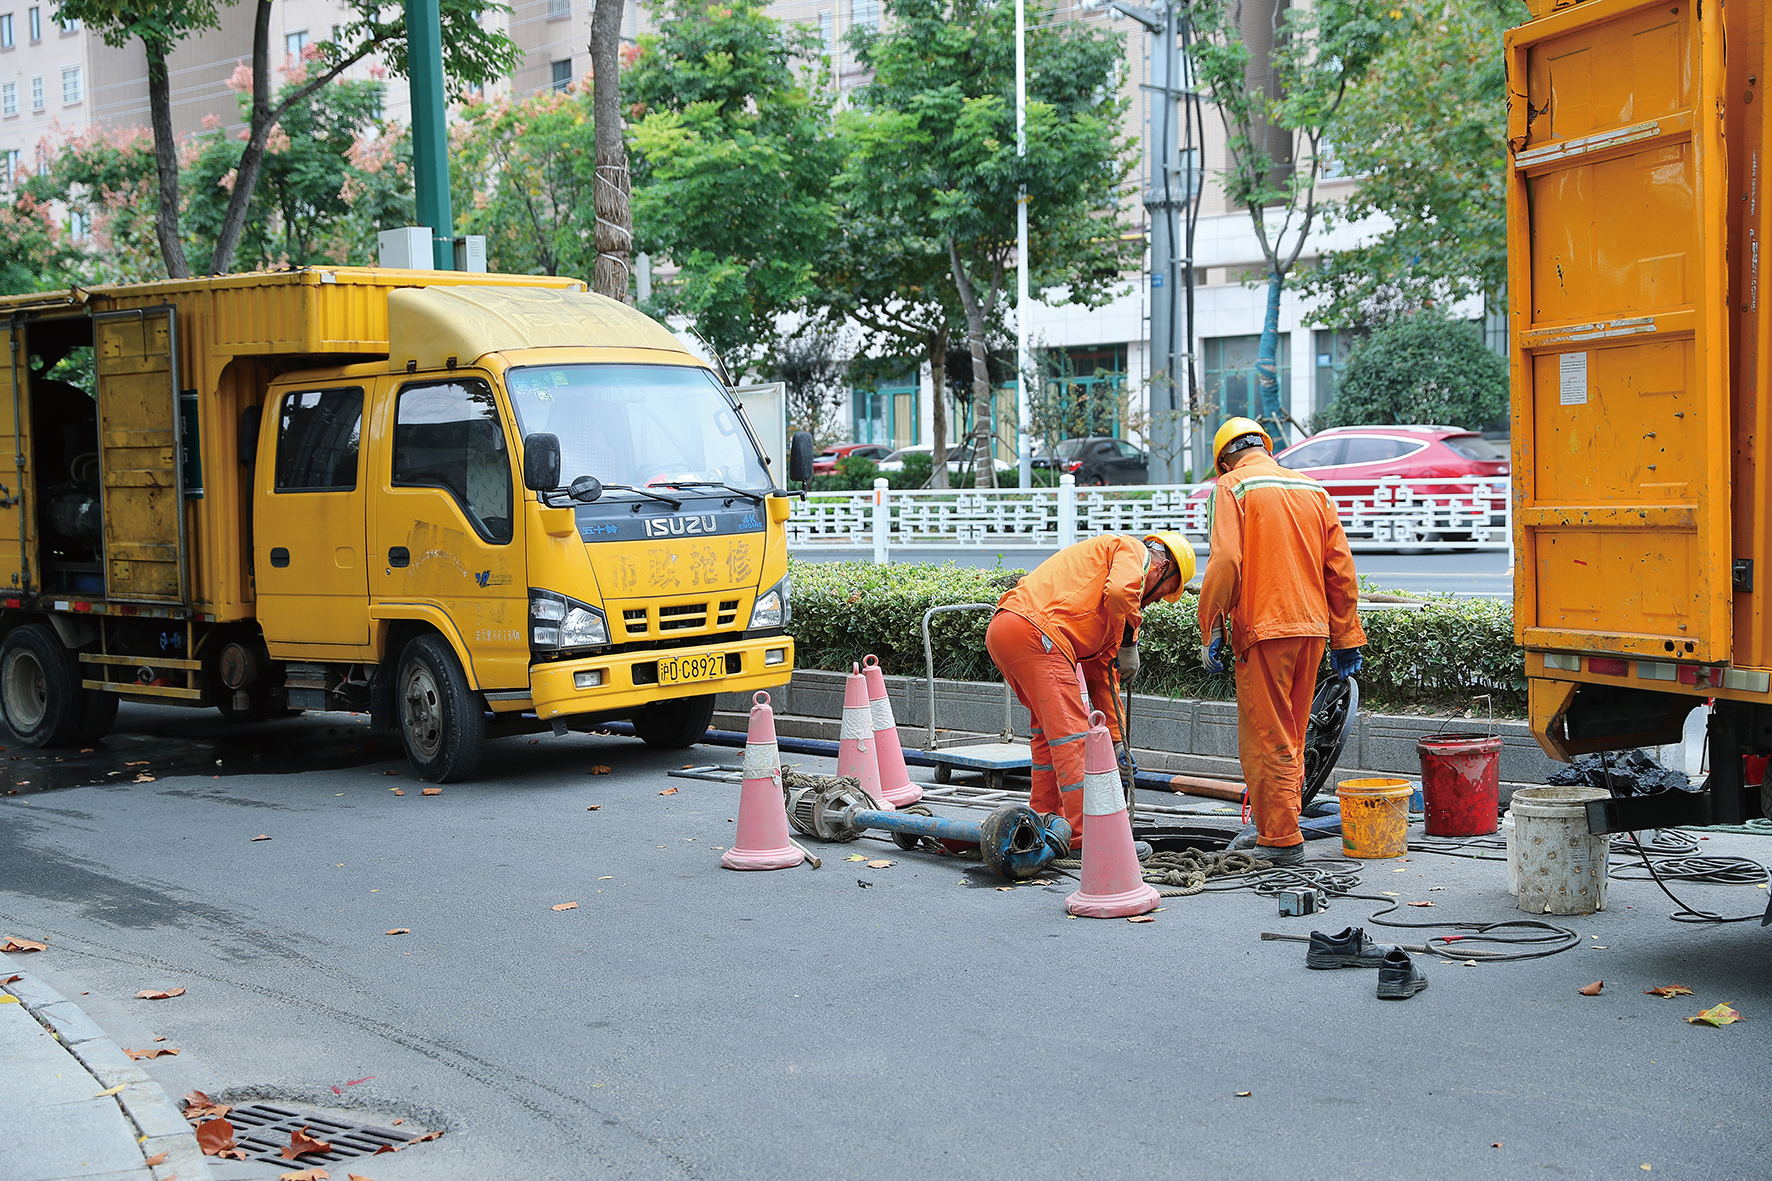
x: 556, y: 621
x: 772, y: 609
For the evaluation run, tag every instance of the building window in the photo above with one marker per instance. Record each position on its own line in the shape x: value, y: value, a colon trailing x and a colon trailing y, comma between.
x: 1229, y: 382
x: 827, y: 33
x: 294, y: 43
x: 562, y: 74
x: 1331, y: 346
x: 71, y: 92
x: 9, y: 161
x: 559, y: 9
x: 6, y: 41
x: 864, y: 14
x: 1083, y: 393
x: 79, y: 225
x: 9, y: 99
x: 889, y: 414
x: 37, y: 93
x: 34, y: 19
x: 67, y: 26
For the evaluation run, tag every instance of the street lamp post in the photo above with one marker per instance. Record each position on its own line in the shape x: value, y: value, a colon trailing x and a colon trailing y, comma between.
x: 430, y: 137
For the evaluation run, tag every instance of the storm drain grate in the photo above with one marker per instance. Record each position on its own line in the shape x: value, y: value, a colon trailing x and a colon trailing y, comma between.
x: 262, y: 1130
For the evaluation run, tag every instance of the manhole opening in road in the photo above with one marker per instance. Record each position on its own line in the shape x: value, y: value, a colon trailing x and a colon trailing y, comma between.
x: 263, y: 1131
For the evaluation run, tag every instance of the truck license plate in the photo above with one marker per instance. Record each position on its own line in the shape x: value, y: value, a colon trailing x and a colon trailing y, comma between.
x: 681, y: 670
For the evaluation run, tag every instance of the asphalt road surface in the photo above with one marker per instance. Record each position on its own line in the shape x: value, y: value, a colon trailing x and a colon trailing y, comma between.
x: 1476, y: 573
x: 900, y: 1022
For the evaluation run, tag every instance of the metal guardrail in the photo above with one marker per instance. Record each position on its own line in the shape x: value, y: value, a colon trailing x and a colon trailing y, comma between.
x: 1452, y: 514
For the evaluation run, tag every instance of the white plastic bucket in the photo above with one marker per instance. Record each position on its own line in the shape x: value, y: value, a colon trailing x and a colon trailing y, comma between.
x: 1513, y: 861
x: 1559, y: 867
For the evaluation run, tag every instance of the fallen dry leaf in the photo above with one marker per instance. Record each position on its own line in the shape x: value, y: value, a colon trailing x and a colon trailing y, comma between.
x: 1718, y: 1015
x: 431, y: 791
x: 159, y: 994
x: 881, y: 863
x: 1669, y: 990
x: 565, y: 906
x: 1141, y: 918
x: 599, y: 769
x: 1243, y: 1094
x: 137, y: 763
x: 1593, y: 989
x: 595, y: 808
x: 8, y: 1000
x: 14, y: 944
x: 406, y: 1144
x: 669, y: 791
x: 11, y: 978
x: 216, y: 1138
x: 198, y: 1106
x: 314, y: 1174
x: 144, y: 779
x: 399, y: 791
x: 399, y: 931
x: 261, y: 837
x: 1004, y: 889
x: 390, y: 772
x: 159, y: 1158
x: 109, y: 1091
x: 1421, y: 904
x: 301, y: 1143
x: 1041, y: 882
x: 357, y: 1177
x: 155, y: 1052
x: 856, y: 857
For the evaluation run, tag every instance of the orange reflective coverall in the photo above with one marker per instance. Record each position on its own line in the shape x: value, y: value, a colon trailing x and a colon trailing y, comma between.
x: 1071, y: 611
x: 1280, y: 573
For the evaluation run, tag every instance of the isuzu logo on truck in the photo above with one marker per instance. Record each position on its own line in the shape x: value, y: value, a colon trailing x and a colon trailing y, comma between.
x: 681, y: 526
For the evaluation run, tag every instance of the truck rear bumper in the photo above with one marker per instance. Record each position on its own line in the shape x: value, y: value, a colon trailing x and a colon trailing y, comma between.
x: 602, y: 684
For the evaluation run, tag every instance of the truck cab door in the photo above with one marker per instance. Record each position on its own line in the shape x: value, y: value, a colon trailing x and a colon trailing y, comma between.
x: 308, y: 521
x: 443, y: 521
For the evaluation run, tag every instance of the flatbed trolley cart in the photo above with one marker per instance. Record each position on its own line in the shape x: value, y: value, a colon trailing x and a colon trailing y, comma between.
x: 995, y: 760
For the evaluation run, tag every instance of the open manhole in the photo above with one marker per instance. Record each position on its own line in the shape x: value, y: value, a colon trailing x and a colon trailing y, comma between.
x: 263, y: 1130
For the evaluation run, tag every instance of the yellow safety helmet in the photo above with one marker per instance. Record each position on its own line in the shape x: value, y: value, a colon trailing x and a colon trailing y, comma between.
x: 1234, y: 429
x: 1183, y: 554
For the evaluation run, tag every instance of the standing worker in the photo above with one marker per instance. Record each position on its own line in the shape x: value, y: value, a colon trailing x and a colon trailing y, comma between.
x: 1080, y: 608
x: 1279, y: 583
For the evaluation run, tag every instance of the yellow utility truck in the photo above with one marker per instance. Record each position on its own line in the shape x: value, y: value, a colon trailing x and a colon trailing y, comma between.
x: 465, y: 504
x: 1639, y: 230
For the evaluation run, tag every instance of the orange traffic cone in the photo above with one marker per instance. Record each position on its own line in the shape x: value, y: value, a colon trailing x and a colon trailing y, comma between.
x: 1113, y: 886
x: 855, y: 746
x: 762, y: 839
x: 895, y: 781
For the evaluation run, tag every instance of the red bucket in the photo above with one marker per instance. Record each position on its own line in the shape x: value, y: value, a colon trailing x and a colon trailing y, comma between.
x: 1461, y: 784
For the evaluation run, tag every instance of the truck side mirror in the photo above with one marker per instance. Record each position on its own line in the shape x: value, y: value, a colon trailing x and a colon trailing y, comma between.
x: 541, y: 462
x: 800, y: 457
x: 247, y: 439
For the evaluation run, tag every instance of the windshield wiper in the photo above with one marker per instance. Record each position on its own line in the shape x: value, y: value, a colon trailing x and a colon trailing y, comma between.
x: 753, y: 497
x: 670, y: 500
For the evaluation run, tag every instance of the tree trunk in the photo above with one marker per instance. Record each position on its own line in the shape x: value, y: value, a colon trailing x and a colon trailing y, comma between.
x: 984, y: 469
x: 615, y: 226
x: 938, y: 372
x: 172, y: 246
x: 252, y: 156
x: 1267, y: 368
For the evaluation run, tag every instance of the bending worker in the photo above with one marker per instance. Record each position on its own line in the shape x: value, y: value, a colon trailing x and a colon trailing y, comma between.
x: 1279, y: 583
x: 1080, y: 608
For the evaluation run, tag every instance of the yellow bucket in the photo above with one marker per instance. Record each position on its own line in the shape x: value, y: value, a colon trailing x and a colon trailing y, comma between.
x: 1374, y: 817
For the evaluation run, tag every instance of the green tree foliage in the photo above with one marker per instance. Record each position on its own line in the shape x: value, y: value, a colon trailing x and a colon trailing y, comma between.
x: 36, y: 251
x: 1425, y: 132
x: 1422, y: 368
x: 932, y: 168
x: 105, y: 178
x: 525, y: 170
x: 1278, y: 111
x: 732, y: 158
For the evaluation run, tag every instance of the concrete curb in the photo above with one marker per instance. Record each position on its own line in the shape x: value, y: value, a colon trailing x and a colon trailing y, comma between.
x: 157, y: 1122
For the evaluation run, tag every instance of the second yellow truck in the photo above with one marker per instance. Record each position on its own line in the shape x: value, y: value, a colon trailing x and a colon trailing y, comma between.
x: 465, y: 504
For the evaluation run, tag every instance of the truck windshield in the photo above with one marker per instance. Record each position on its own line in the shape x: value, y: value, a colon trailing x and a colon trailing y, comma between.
x: 637, y: 424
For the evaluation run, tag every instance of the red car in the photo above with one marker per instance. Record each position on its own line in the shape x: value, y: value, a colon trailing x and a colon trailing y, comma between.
x: 825, y: 462
x: 1402, y: 482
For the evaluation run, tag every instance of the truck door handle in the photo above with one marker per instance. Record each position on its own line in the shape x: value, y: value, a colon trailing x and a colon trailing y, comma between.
x: 398, y: 555
x: 279, y: 556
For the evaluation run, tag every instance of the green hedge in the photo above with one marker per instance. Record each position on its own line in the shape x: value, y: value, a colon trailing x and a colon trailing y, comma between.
x: 1436, y: 659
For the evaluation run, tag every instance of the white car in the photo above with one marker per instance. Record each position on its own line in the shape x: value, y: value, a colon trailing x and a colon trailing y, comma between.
x: 957, y: 457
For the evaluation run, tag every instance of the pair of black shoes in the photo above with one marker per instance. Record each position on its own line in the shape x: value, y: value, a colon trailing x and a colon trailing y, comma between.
x: 1398, y: 977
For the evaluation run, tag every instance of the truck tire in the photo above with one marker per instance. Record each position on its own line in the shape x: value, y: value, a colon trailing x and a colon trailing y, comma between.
x: 97, y: 716
x: 40, y: 692
x: 675, y: 724
x: 442, y: 723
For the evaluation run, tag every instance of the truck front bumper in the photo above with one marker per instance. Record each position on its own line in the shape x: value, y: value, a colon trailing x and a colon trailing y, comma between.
x: 605, y: 684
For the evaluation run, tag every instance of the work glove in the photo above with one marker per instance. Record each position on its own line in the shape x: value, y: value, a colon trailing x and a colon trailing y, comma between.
x: 1345, y: 661
x: 1128, y: 662
x: 1128, y: 768
x: 1212, y: 655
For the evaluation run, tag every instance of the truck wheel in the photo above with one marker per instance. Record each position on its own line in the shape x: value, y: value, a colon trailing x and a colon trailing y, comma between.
x: 40, y: 692
x: 442, y: 725
x: 673, y: 725
x: 97, y: 716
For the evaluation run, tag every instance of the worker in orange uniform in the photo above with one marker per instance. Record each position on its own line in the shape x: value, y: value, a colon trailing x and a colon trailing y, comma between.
x: 1279, y: 583
x: 1080, y: 608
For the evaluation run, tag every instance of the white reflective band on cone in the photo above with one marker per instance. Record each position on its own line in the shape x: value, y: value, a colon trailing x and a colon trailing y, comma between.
x: 883, y: 719
x: 760, y: 760
x: 858, y: 724
x: 1102, y: 793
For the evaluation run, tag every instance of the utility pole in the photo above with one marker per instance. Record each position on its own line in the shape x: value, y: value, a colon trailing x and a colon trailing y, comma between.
x: 430, y: 139
x: 1024, y: 417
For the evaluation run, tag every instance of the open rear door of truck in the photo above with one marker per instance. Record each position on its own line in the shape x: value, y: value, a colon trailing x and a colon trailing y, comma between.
x: 1617, y: 273
x: 139, y: 443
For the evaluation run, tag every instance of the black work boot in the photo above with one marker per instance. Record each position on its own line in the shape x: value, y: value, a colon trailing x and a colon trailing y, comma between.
x: 1282, y: 856
x: 1351, y: 948
x: 1398, y: 977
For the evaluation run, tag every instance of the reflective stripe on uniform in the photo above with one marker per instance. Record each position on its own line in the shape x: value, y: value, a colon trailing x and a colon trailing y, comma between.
x: 1039, y: 766
x: 1067, y: 738
x: 1070, y: 786
x: 1301, y: 483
